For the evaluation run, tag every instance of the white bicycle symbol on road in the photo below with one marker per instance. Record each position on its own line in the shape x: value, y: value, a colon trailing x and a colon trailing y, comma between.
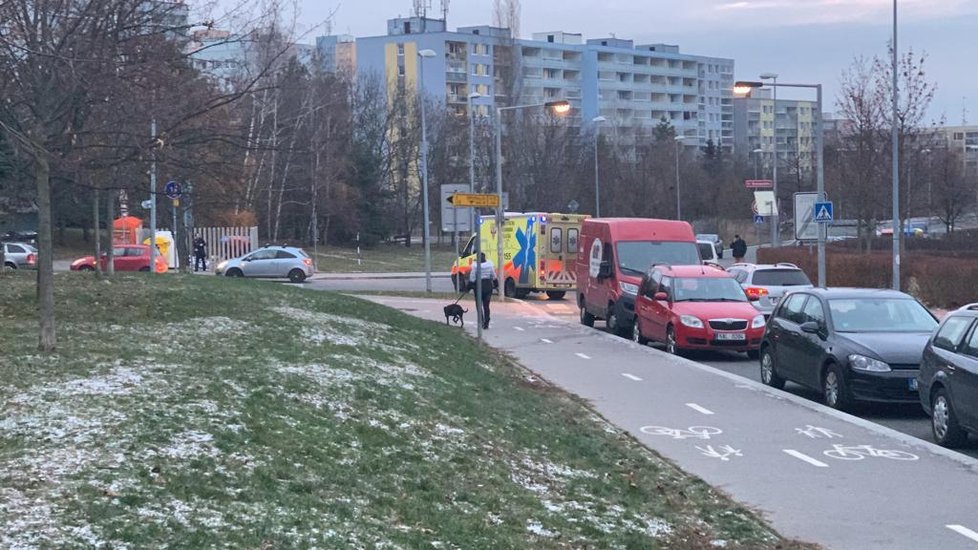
x: 859, y: 452
x: 693, y: 432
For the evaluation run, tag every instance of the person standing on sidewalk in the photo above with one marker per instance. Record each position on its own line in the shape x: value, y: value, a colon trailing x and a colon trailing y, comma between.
x: 200, y: 253
x: 488, y: 281
x: 738, y: 249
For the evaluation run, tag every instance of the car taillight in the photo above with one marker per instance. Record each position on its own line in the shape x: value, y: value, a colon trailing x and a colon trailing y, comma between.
x: 307, y: 261
x: 756, y: 292
x: 31, y: 260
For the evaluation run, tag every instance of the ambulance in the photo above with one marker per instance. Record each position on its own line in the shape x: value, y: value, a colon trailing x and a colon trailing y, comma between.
x: 539, y: 251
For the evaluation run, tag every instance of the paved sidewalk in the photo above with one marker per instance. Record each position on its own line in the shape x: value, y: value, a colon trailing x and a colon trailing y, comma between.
x: 818, y: 475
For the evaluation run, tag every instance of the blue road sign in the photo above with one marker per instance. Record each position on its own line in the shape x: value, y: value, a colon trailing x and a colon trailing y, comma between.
x: 823, y: 212
x: 758, y: 219
x: 172, y: 190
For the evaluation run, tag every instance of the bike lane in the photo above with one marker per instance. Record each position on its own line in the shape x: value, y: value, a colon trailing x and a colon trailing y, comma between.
x: 816, y: 474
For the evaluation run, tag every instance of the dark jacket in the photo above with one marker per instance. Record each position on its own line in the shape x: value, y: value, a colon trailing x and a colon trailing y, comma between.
x: 739, y: 248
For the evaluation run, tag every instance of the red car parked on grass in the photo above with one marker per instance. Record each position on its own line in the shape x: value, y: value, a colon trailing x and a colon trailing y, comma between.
x: 128, y: 257
x: 696, y: 307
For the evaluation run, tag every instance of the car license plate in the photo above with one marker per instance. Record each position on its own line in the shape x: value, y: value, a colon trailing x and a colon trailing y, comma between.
x: 736, y: 336
x: 913, y: 384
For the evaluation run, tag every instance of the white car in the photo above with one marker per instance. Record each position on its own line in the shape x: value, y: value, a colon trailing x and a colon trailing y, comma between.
x: 713, y: 238
x: 708, y: 251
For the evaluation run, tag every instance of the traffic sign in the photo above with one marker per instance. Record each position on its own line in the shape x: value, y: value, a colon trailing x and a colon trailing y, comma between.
x: 758, y: 184
x: 572, y: 206
x: 805, y: 227
x: 146, y: 204
x: 172, y: 190
x: 476, y: 200
x: 758, y: 219
x: 453, y: 221
x: 753, y: 207
x: 823, y: 212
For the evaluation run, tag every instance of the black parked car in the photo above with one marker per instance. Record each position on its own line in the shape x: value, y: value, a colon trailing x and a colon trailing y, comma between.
x: 949, y: 378
x: 849, y: 343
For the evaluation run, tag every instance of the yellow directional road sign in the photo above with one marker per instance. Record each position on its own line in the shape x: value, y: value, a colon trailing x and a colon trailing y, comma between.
x: 477, y: 200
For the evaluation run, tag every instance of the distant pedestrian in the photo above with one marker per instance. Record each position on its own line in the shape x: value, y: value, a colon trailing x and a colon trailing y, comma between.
x: 488, y: 273
x: 738, y: 248
x: 200, y: 254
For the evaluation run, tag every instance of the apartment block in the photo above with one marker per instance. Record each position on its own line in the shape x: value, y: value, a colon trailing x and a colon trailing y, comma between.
x: 337, y: 53
x: 632, y: 87
x: 782, y: 132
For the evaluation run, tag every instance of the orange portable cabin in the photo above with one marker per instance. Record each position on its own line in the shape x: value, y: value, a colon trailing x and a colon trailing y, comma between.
x: 125, y: 230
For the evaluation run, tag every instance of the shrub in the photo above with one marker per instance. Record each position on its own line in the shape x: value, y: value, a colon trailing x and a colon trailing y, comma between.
x: 937, y: 280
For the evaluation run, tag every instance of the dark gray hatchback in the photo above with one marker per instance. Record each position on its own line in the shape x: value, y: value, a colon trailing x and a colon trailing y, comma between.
x: 948, y: 377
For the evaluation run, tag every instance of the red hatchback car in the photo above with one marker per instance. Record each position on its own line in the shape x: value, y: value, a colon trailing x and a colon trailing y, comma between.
x: 126, y: 257
x: 696, y: 307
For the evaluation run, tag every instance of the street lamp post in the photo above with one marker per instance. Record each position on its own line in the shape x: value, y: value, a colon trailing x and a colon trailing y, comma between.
x: 744, y: 88
x: 894, y: 136
x: 679, y: 200
x: 559, y: 107
x: 775, y: 212
x: 597, y: 194
x: 478, y: 269
x: 754, y: 154
x: 424, y: 171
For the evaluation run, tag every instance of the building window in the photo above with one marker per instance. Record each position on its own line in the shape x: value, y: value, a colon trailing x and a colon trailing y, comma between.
x: 400, y: 70
x: 400, y: 50
x: 478, y: 69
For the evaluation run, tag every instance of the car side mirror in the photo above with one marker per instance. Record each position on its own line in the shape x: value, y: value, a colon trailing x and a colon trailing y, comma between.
x: 811, y: 327
x: 661, y: 297
x: 604, y: 270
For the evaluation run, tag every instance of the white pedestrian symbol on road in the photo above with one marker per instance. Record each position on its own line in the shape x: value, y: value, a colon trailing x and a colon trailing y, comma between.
x: 814, y: 432
x: 723, y: 452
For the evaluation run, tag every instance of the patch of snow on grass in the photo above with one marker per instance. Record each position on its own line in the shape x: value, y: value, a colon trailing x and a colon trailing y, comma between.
x: 188, y: 445
x: 539, y: 530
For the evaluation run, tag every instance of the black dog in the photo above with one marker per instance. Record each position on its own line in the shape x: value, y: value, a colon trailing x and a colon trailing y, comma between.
x: 455, y: 313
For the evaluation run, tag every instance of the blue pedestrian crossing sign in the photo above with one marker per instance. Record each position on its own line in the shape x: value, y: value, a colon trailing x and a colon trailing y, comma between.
x: 823, y: 212
x: 758, y: 219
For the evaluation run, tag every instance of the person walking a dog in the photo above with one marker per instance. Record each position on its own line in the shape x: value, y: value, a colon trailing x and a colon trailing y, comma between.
x: 488, y: 273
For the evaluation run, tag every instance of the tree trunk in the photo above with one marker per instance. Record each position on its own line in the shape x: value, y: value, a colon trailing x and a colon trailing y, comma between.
x: 98, y: 233
x: 110, y: 250
x: 45, y: 261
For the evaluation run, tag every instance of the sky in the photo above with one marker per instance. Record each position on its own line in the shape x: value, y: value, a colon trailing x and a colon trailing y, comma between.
x: 804, y: 41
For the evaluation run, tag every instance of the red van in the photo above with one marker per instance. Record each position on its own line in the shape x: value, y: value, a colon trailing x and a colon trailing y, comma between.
x: 612, y: 257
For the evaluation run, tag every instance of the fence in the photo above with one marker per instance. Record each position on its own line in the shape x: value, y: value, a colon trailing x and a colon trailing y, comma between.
x: 226, y: 242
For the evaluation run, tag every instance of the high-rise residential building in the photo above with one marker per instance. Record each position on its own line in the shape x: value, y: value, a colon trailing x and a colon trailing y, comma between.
x: 783, y: 132
x: 965, y: 140
x: 632, y: 87
x: 337, y: 53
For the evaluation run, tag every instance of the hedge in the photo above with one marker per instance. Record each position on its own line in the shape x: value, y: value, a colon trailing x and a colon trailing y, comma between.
x: 936, y: 280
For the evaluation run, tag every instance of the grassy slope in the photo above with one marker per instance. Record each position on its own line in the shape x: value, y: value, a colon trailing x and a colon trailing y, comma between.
x: 197, y: 411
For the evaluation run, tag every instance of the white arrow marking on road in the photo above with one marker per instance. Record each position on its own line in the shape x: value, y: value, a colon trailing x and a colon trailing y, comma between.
x: 631, y: 377
x: 697, y: 408
x: 545, y: 341
x: 582, y: 356
x: 962, y: 530
x: 806, y: 458
x: 521, y: 329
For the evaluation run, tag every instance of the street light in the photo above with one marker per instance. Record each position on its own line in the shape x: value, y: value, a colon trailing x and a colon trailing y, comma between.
x: 597, y: 194
x: 424, y: 170
x: 775, y: 212
x: 679, y: 201
x: 754, y: 153
x: 743, y: 87
x: 559, y: 107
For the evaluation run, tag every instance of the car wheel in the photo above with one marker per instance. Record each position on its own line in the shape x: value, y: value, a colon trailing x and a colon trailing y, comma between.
x: 586, y: 318
x: 834, y: 389
x: 672, y: 347
x: 522, y: 293
x: 145, y: 269
x: 944, y: 422
x: 769, y: 373
x: 86, y: 268
x: 234, y: 272
x: 10, y: 265
x: 509, y: 288
x: 613, y: 323
x: 637, y: 335
x: 297, y: 276
x: 753, y: 354
x: 556, y: 294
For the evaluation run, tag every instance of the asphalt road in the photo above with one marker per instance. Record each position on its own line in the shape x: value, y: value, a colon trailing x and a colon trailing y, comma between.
x: 816, y: 474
